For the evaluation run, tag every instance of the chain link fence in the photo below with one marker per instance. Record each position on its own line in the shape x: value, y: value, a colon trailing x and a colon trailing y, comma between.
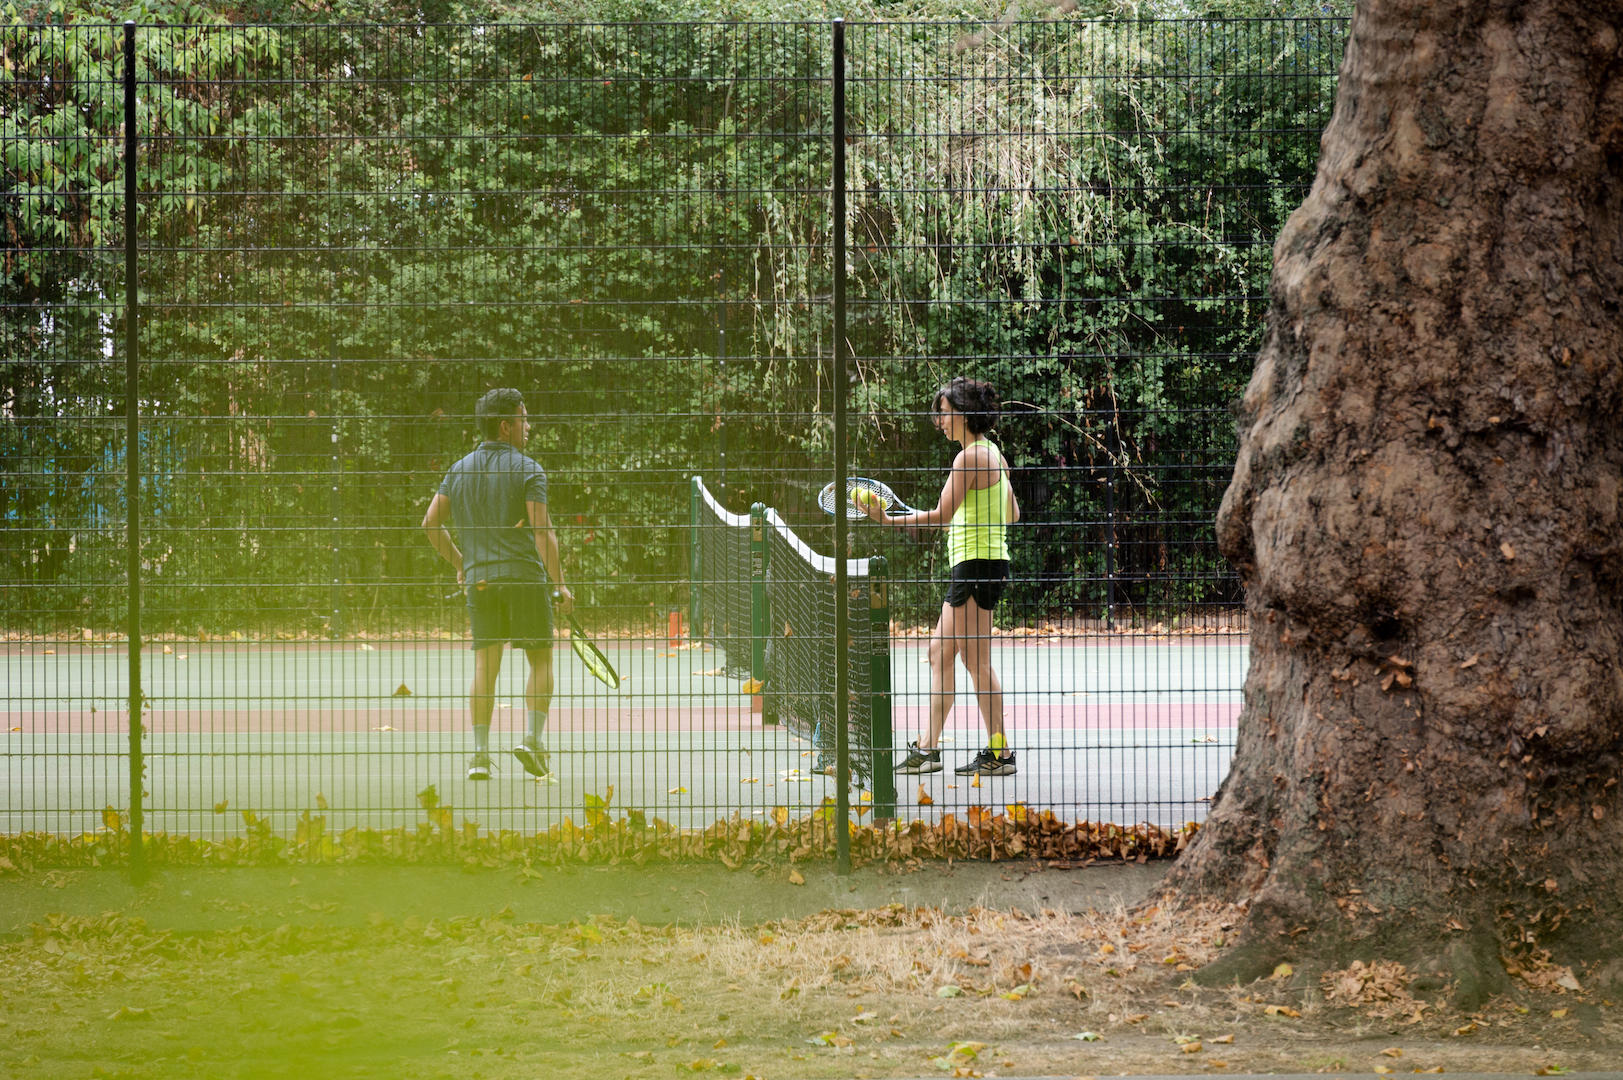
x: 346, y: 234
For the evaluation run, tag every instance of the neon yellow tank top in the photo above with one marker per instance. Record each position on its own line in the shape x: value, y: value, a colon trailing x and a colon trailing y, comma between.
x: 978, y: 528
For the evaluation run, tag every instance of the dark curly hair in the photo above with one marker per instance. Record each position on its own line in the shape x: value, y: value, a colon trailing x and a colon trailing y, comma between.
x: 502, y: 403
x: 976, y: 400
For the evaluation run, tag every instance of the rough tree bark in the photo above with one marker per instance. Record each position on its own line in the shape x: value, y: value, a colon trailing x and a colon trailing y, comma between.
x: 1425, y: 512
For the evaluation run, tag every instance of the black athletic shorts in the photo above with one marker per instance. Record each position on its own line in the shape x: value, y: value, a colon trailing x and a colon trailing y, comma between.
x: 984, y: 579
x: 516, y: 611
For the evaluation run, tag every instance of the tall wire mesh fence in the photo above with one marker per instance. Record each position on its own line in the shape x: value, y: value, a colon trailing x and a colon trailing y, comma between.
x: 348, y: 233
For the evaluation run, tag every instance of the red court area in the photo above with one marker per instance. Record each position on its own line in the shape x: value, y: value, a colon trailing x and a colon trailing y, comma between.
x: 672, y: 720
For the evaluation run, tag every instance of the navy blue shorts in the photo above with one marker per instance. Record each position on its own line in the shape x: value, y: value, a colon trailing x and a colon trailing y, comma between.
x: 516, y: 611
x: 984, y: 579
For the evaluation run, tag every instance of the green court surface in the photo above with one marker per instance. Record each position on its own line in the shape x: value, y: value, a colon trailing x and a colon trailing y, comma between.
x: 1107, y: 729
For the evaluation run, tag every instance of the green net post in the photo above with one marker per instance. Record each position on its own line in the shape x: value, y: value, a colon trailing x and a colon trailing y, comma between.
x: 760, y: 621
x: 695, y: 563
x: 881, y: 736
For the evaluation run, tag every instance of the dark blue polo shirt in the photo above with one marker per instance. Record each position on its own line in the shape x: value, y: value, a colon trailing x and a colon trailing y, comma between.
x: 488, y: 490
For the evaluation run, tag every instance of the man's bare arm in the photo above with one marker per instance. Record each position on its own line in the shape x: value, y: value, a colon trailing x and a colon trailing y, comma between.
x: 546, y: 545
x: 434, y: 522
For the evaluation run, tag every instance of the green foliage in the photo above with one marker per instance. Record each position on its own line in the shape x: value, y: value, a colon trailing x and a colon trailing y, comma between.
x: 351, y: 230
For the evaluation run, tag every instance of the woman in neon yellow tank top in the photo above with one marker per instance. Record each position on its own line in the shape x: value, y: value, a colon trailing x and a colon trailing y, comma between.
x: 977, y: 504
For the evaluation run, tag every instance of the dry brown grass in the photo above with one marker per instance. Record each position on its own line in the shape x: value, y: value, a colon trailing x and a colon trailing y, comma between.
x: 842, y: 993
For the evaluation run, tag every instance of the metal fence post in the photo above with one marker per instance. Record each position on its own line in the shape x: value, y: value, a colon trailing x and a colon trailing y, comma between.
x: 881, y: 734
x: 695, y: 565
x: 335, y: 629
x: 132, y: 465
x: 842, y: 648
x: 760, y: 620
x: 1110, y: 524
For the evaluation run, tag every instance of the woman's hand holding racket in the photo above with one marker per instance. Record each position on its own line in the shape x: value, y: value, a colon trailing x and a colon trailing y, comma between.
x: 864, y: 498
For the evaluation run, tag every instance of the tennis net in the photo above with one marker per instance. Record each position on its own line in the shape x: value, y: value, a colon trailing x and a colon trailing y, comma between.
x: 722, y: 607
x: 765, y: 593
x: 800, y: 667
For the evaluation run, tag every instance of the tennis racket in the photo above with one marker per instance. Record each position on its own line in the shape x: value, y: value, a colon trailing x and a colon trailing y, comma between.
x: 831, y: 503
x: 591, y: 655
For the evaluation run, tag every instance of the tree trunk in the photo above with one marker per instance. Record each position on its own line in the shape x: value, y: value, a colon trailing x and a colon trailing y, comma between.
x: 1425, y: 513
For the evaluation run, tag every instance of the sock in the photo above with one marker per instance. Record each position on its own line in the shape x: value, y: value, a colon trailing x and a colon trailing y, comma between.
x: 538, y: 724
x: 481, y: 738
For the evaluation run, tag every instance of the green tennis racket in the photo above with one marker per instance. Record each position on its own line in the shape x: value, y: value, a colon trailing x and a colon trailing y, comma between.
x: 591, y: 655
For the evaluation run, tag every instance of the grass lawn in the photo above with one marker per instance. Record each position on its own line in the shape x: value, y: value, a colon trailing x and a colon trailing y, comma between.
x: 301, y: 973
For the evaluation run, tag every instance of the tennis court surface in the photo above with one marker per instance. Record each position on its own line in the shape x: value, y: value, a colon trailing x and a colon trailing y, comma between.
x: 1140, y: 731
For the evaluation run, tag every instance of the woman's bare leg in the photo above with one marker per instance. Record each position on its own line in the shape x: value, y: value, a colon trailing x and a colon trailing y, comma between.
x: 943, y: 674
x: 975, y: 645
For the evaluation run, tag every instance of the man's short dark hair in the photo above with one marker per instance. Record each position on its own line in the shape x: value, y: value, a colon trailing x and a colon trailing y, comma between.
x: 502, y: 403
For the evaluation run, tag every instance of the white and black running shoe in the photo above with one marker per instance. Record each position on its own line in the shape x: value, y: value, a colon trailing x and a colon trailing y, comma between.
x: 987, y: 763
x: 920, y: 761
x: 533, y: 758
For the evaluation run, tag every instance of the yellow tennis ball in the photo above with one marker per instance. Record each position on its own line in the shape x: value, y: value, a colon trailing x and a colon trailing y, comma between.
x: 864, y: 498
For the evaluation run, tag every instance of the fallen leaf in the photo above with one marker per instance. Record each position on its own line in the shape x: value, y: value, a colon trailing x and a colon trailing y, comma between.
x: 1433, y: 1069
x: 1224, y: 1039
x: 1281, y: 1010
x: 1191, y: 1048
x: 1088, y: 1036
x: 924, y: 797
x: 1568, y: 982
x: 1509, y: 553
x: 1466, y: 1030
x: 1383, y: 1070
x: 795, y: 878
x: 751, y: 686
x: 402, y: 691
x: 1393, y: 1051
x: 676, y: 791
x: 1284, y: 971
x: 1558, y: 1014
x: 950, y: 992
x: 1137, y: 1018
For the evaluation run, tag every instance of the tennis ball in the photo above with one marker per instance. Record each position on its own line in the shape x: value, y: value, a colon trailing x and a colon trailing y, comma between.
x: 863, y: 497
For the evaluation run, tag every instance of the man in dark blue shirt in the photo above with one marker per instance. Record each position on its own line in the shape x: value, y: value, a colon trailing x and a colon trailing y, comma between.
x: 508, y: 566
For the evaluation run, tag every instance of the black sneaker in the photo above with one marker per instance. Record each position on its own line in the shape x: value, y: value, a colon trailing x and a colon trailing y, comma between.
x: 479, y: 767
x: 987, y: 763
x: 920, y: 761
x: 533, y: 758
